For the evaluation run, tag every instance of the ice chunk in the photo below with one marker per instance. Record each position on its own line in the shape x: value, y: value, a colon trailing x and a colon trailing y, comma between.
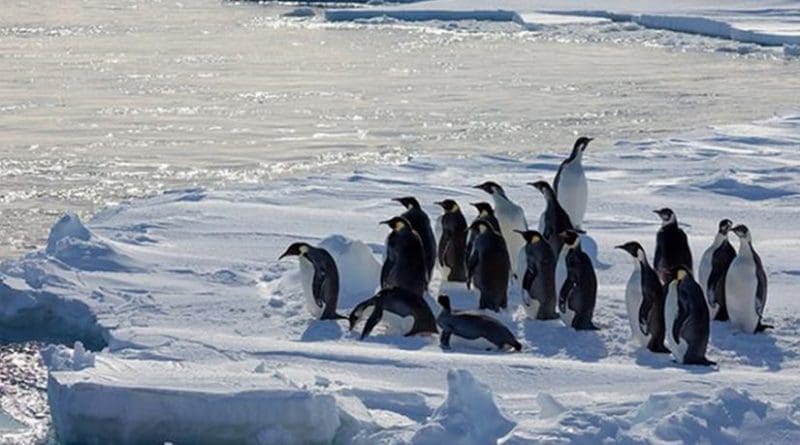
x: 69, y: 226
x: 62, y: 358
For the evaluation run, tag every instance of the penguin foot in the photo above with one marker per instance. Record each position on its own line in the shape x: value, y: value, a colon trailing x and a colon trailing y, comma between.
x: 763, y: 327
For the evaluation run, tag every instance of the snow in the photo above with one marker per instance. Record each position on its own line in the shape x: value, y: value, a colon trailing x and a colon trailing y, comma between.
x: 200, y: 334
x: 771, y: 23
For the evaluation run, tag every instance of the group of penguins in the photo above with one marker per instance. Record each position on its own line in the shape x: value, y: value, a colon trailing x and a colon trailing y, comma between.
x: 664, y: 302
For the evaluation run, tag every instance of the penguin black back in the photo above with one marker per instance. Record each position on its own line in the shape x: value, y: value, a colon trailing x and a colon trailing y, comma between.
x: 404, y: 264
x: 453, y: 241
x: 672, y: 247
x: 422, y: 225
x: 488, y: 267
x: 556, y: 219
x: 578, y: 294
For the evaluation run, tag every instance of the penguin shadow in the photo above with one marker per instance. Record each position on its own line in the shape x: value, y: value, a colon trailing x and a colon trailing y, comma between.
x: 322, y: 330
x: 754, y: 349
x: 551, y: 337
x: 411, y: 343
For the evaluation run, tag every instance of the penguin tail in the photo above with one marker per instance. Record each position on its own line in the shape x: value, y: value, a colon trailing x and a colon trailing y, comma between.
x: 763, y: 327
x: 516, y: 345
x: 334, y: 316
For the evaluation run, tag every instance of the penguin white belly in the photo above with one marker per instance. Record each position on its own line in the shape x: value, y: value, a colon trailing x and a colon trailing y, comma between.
x: 740, y: 294
x: 561, y: 269
x: 633, y: 302
x: 573, y: 193
x: 511, y: 217
x: 703, y: 272
x: 394, y: 324
x: 670, y: 314
x: 307, y: 280
x: 479, y: 343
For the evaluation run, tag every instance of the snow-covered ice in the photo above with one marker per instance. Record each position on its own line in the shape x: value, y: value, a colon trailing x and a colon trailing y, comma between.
x: 201, y: 325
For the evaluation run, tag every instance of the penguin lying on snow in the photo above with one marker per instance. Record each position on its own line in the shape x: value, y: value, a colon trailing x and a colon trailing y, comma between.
x: 452, y: 228
x: 320, y: 279
x: 688, y: 322
x: 539, y: 277
x: 472, y: 329
x: 746, y: 286
x: 422, y: 225
x: 488, y: 267
x: 713, y: 269
x: 672, y: 247
x: 402, y: 312
x: 644, y: 300
x: 578, y: 294
x: 404, y: 262
x: 570, y: 183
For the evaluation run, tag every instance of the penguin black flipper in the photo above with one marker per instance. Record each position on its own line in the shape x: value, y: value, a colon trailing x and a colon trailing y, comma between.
x: 444, y: 339
x: 644, y: 316
x: 374, y: 317
x: 557, y: 180
x: 654, y: 294
x: 761, y: 293
x: 444, y: 245
x: 530, y: 275
x: 680, y: 320
x: 388, y: 265
x: 720, y: 261
x: 472, y: 263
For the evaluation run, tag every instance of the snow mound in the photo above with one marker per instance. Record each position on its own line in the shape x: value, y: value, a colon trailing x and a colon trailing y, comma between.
x: 74, y: 245
x: 791, y: 50
x: 300, y: 12
x: 62, y: 358
x: 132, y: 402
x: 469, y: 415
x: 359, y: 271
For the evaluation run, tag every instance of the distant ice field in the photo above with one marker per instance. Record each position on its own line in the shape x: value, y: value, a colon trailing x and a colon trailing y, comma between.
x: 101, y: 101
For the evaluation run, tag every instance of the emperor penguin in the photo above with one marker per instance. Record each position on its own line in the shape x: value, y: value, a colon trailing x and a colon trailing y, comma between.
x: 555, y: 219
x: 404, y: 262
x: 510, y: 216
x: 672, y: 247
x: 422, y: 225
x: 570, y: 184
x: 402, y: 312
x: 320, y: 279
x: 539, y: 277
x: 485, y: 212
x: 452, y: 228
x: 578, y: 295
x: 713, y: 269
x: 687, y: 319
x: 746, y: 286
x: 473, y: 330
x: 644, y: 300
x: 488, y: 267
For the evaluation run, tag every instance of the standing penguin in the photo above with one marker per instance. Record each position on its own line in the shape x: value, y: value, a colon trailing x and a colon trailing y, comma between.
x: 488, y: 267
x: 539, y: 277
x: 554, y: 219
x: 672, y: 247
x: 320, y: 279
x: 402, y: 312
x: 510, y: 216
x: 472, y: 329
x: 404, y: 261
x: 485, y: 212
x: 422, y: 225
x: 746, y: 286
x: 713, y: 269
x: 644, y: 300
x: 687, y: 319
x: 452, y: 242
x: 578, y: 295
x: 570, y: 183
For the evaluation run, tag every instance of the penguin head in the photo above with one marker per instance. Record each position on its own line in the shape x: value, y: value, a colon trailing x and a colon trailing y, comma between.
x: 581, y: 144
x: 480, y: 225
x: 296, y: 249
x: 409, y: 202
x: 531, y: 236
x: 543, y: 187
x: 633, y: 248
x: 571, y: 238
x: 484, y: 208
x: 725, y: 226
x: 444, y: 302
x: 397, y: 223
x: 448, y: 205
x: 491, y: 188
x: 742, y: 232
x: 666, y: 214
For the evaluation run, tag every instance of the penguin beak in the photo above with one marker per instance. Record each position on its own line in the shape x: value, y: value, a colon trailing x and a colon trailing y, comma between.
x: 387, y: 222
x: 284, y: 255
x: 620, y: 247
x: 439, y: 203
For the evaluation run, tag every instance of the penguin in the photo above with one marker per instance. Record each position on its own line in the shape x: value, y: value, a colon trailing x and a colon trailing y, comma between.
x: 488, y: 267
x: 485, y: 212
x: 578, y: 295
x: 555, y: 219
x: 672, y: 247
x: 539, y: 277
x: 404, y: 262
x: 746, y: 286
x: 644, y: 300
x: 472, y: 329
x: 422, y: 225
x: 402, y: 312
x: 510, y: 217
x: 713, y: 269
x: 570, y: 184
x: 687, y: 319
x: 452, y: 242
x: 320, y: 279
